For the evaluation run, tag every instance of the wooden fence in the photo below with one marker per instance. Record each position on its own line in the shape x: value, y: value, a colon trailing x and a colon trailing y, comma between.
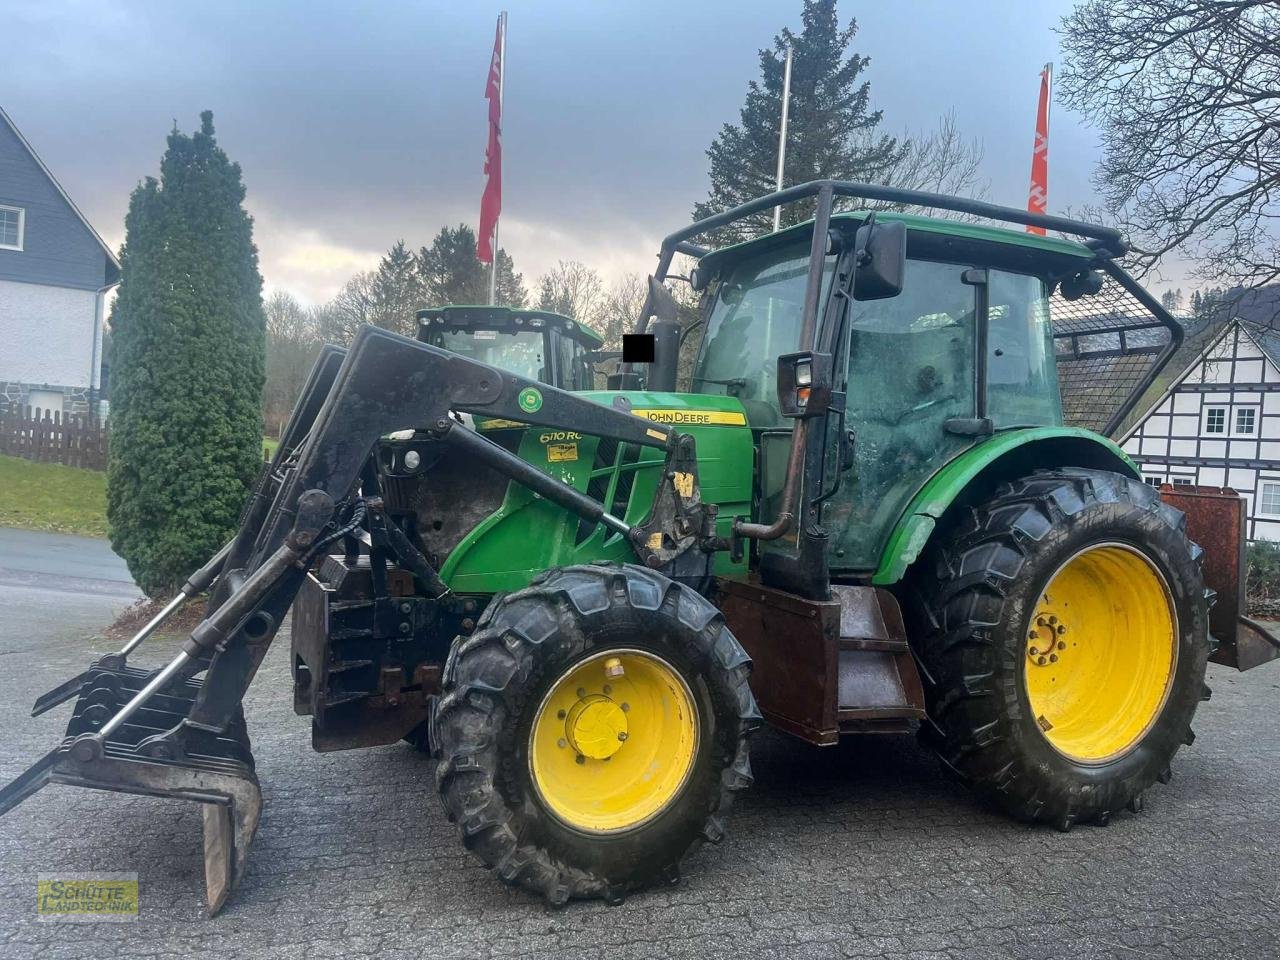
x: 76, y: 440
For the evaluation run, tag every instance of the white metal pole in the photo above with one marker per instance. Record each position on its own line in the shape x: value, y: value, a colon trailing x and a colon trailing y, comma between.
x: 782, y: 133
x: 502, y: 84
x: 1048, y: 106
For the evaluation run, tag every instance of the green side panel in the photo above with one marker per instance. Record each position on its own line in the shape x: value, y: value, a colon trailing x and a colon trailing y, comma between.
x: 527, y: 535
x: 912, y: 531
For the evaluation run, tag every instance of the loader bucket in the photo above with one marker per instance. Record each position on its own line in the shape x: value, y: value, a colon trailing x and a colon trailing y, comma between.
x: 1216, y: 521
x: 215, y: 771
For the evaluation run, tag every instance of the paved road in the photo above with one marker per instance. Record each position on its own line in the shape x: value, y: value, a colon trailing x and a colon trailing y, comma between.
x: 62, y: 563
x: 862, y: 850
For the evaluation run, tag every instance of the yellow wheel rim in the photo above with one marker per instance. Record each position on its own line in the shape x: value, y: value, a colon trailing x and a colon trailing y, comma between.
x: 613, y: 741
x: 1101, y: 649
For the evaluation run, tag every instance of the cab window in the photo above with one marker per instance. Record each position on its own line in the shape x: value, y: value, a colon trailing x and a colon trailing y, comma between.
x: 756, y: 316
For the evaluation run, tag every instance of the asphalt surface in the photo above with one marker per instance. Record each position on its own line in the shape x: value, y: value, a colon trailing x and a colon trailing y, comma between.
x: 861, y: 850
x: 61, y: 563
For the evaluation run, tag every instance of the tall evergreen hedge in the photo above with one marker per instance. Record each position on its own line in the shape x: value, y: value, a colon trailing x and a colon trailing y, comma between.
x: 189, y: 344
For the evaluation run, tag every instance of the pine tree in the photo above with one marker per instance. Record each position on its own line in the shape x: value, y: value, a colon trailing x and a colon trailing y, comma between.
x: 831, y: 128
x: 397, y: 292
x: 451, y: 274
x: 188, y: 356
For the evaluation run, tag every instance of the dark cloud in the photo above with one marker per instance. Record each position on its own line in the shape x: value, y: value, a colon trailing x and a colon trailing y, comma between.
x: 357, y: 124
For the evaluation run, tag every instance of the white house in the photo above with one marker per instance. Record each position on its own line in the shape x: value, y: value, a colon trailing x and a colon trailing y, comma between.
x: 1218, y: 424
x: 55, y: 272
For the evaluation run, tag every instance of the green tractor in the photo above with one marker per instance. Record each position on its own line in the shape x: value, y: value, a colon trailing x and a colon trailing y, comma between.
x: 867, y: 514
x: 536, y: 344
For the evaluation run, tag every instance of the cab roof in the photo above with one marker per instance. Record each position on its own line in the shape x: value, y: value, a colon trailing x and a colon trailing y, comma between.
x: 959, y: 230
x: 482, y: 317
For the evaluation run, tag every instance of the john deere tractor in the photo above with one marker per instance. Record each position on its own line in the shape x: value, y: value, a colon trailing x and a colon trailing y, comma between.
x: 866, y: 514
x: 533, y: 343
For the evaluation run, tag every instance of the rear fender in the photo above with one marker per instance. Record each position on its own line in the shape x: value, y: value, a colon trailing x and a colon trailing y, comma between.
x: 974, y: 473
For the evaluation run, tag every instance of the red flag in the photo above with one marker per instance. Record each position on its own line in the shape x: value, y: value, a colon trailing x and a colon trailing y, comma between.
x: 491, y: 201
x: 1039, y: 195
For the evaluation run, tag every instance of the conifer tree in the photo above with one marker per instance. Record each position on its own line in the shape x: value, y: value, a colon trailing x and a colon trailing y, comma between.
x: 451, y: 274
x: 188, y: 356
x: 831, y: 128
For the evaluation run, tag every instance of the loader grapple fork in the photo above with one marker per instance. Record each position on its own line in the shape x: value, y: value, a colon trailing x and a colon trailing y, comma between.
x: 171, y: 733
x: 216, y: 770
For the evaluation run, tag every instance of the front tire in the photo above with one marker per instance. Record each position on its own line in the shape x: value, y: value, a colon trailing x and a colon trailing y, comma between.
x: 1064, y: 645
x: 593, y: 730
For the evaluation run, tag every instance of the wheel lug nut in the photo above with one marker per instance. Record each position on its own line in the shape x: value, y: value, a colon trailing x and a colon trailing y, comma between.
x: 1062, y: 629
x: 626, y: 707
x: 581, y: 759
x: 622, y: 737
x: 1033, y: 651
x: 607, y: 689
x: 560, y: 714
x: 1053, y: 621
x: 1062, y: 645
x: 562, y: 743
x: 1053, y: 658
x: 1031, y: 635
x: 1042, y: 661
x: 582, y: 692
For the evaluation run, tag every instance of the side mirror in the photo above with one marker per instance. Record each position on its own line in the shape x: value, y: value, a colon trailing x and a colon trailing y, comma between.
x: 880, y: 259
x: 1085, y: 284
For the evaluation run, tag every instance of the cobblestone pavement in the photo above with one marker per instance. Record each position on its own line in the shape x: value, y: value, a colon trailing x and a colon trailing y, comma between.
x: 862, y: 850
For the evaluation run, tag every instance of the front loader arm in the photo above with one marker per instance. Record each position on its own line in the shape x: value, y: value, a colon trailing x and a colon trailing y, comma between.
x: 167, y: 733
x: 389, y: 382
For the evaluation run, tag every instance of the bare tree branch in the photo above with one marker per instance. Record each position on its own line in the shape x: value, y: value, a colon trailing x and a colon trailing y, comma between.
x: 1186, y: 94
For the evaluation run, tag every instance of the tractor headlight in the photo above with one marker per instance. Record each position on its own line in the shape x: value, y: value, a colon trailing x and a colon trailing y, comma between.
x: 804, y: 373
x: 412, y: 459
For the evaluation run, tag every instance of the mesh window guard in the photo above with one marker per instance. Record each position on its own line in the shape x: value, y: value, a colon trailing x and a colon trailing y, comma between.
x: 1106, y: 346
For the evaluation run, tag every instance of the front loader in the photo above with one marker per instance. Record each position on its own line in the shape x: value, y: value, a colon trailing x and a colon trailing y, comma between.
x: 868, y: 514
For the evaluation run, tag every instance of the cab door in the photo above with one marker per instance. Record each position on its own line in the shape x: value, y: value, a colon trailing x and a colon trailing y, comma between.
x: 911, y: 368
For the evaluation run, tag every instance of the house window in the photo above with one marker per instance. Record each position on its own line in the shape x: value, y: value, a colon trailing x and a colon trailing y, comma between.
x: 1246, y: 420
x: 1269, y: 498
x: 1153, y: 481
x: 1182, y: 481
x: 1215, y: 420
x: 12, y: 222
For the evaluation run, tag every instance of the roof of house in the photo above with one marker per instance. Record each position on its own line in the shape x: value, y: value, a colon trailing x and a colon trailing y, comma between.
x: 1266, y: 337
x: 1258, y: 314
x: 1162, y: 391
x: 111, y: 257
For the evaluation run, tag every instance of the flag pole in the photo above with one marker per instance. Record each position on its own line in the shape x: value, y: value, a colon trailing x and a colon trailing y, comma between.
x: 502, y: 85
x: 782, y: 133
x: 1048, y: 79
x: 1038, y: 194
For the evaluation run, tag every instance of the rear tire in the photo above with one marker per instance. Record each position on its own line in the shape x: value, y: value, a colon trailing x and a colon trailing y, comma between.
x: 497, y: 722
x: 1122, y: 705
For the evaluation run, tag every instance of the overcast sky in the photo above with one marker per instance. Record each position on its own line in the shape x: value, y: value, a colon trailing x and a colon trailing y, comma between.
x: 360, y: 124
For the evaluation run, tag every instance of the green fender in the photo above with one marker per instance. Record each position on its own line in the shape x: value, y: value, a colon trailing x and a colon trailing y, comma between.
x: 1053, y: 447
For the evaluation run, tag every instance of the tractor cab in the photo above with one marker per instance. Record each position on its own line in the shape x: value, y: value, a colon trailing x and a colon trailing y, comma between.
x: 958, y: 347
x: 536, y: 344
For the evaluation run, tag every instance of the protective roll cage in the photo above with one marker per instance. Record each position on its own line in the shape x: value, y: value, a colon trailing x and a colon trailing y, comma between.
x: 1106, y: 242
